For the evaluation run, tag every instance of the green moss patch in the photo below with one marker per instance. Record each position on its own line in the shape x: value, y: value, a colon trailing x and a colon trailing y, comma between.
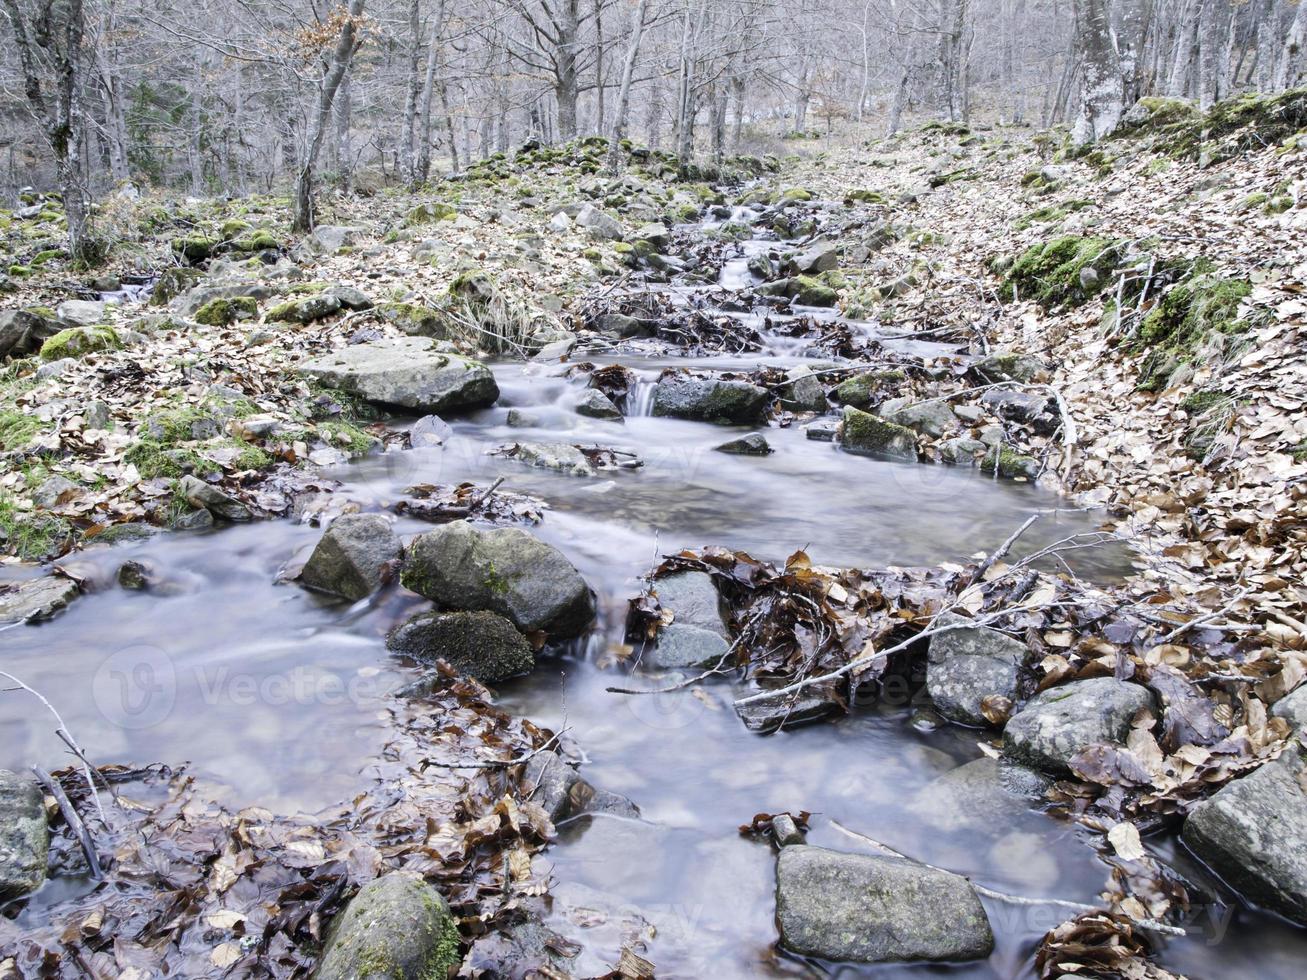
x: 1066, y: 271
x: 80, y: 341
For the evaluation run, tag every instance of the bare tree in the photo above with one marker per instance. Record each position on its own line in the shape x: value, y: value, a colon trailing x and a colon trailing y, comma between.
x: 1102, y: 96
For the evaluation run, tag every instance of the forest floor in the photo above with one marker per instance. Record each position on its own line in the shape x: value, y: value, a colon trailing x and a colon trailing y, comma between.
x: 1129, y: 330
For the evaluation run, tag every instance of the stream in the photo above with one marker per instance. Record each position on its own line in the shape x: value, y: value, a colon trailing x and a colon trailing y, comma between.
x: 274, y: 695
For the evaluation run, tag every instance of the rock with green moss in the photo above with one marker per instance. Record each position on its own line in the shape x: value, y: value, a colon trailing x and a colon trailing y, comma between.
x: 305, y: 310
x: 353, y: 558
x: 256, y: 241
x: 1066, y: 271
x: 397, y: 927
x: 22, y: 332
x: 506, y: 571
x: 195, y: 248
x: 24, y: 836
x: 222, y: 312
x: 79, y: 341
x: 810, y: 291
x: 172, y: 283
x: 429, y: 213
x: 862, y: 390
x: 710, y: 400
x: 478, y: 644
x: 1011, y: 464
x: 1010, y: 366
x: 866, y: 435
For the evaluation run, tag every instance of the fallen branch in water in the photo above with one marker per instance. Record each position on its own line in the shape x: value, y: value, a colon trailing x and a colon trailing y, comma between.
x: 1005, y: 896
x: 73, y: 819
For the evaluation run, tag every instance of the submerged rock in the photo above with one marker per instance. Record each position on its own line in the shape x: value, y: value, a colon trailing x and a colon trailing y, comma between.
x: 352, y: 557
x: 982, y: 793
x: 505, y: 570
x: 750, y: 445
x: 867, y: 435
x: 867, y: 909
x: 1056, y: 724
x: 555, y: 784
x: 1253, y: 833
x: 789, y: 711
x: 966, y: 666
x: 559, y: 456
x: 36, y: 599
x: 397, y: 927
x: 407, y: 372
x: 710, y: 400
x: 24, y: 836
x: 479, y: 644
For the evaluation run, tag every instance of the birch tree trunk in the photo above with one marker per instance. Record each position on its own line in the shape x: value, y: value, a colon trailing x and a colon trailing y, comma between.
x: 411, y: 133
x: 1102, y: 96
x: 614, y: 160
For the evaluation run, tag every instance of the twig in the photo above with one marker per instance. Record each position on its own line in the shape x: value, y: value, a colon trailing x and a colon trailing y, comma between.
x: 485, y: 495
x: 62, y: 730
x: 73, y: 820
x: 1207, y: 617
x: 1002, y: 550
x: 1005, y: 896
x: 690, y: 682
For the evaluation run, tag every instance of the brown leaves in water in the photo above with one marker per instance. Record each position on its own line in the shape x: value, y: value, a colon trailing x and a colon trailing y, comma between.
x: 441, y: 504
x: 1097, y: 944
x: 193, y: 890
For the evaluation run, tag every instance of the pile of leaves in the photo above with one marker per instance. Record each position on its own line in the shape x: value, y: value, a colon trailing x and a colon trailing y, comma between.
x: 442, y: 504
x: 191, y: 889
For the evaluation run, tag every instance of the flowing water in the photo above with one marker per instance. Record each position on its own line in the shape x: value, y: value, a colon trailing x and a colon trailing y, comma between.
x: 275, y: 695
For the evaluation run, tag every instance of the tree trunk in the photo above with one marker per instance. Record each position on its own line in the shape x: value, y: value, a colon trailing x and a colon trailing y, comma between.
x: 567, y: 80
x: 1102, y: 95
x: 341, y: 56
x: 614, y: 160
x: 409, y: 143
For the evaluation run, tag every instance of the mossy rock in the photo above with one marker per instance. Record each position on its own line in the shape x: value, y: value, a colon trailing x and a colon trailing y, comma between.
x: 80, y: 341
x: 233, y: 227
x: 865, y: 197
x: 868, y: 435
x: 195, y: 248
x: 1192, y: 310
x: 222, y: 312
x: 48, y: 255
x: 257, y: 241
x: 864, y: 389
x: 172, y: 283
x: 429, y: 213
x: 308, y: 310
x: 1066, y: 271
x: 811, y: 291
x: 413, y: 319
x: 1011, y: 464
x: 482, y: 644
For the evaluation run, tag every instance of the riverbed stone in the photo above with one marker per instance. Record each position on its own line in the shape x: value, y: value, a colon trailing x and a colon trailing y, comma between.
x: 1057, y: 723
x: 24, y: 835
x: 822, y: 430
x: 710, y: 400
x: 480, y: 644
x: 785, y: 711
x: 561, y: 457
x: 596, y: 405
x: 353, y: 556
x: 966, y: 666
x: 982, y: 793
x: 82, y: 312
x: 802, y: 391
x: 753, y: 444
x: 1253, y: 833
x: 932, y: 418
x: 1010, y: 366
x: 332, y: 238
x: 867, y: 435
x: 962, y: 451
x: 407, y: 372
x: 205, y: 496
x: 872, y: 909
x: 1293, y: 707
x: 23, y: 332
x: 397, y: 927
x: 36, y: 599
x: 505, y: 570
x: 558, y: 788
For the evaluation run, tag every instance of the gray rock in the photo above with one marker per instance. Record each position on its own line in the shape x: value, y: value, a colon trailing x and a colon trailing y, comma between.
x: 55, y: 369
x: 932, y: 418
x: 785, y: 831
x: 561, y: 457
x: 332, y: 238
x: 982, y: 793
x: 1253, y: 833
x: 685, y: 645
x: 195, y: 520
x: 693, y: 599
x: 656, y: 234
x: 1293, y: 707
x: 22, y: 333
x: 556, y: 350
x: 822, y: 430
x: 408, y: 373
x: 135, y: 576
x: 556, y: 786
x: 349, y: 298
x: 96, y: 415
x: 522, y: 946
x: 54, y: 490
x: 352, y: 557
x: 306, y: 310
x: 479, y: 644
x: 519, y: 419
x: 599, y: 225
x: 505, y: 570
x: 188, y: 303
x: 818, y: 257
x: 962, y: 451
x: 24, y: 836
x: 82, y: 312
x: 790, y: 711
x: 129, y: 533
x: 622, y: 326
x: 1057, y: 723
x: 203, y: 496
x: 710, y: 400
x: 36, y: 599
x: 430, y: 430
x: 867, y: 435
x: 596, y: 405
x: 965, y: 666
x: 397, y: 927
x: 866, y: 909
x: 751, y: 445
x: 802, y: 391
x: 1006, y: 366
x: 1037, y: 411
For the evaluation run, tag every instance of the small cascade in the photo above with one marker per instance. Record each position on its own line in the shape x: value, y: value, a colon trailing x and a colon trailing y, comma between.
x: 640, y: 399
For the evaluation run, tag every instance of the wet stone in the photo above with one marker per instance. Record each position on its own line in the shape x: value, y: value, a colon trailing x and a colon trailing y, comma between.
x: 750, y: 445
x: 966, y: 666
x: 35, y: 600
x: 353, y: 557
x: 478, y: 644
x: 24, y: 835
x: 397, y: 926
x: 1061, y: 721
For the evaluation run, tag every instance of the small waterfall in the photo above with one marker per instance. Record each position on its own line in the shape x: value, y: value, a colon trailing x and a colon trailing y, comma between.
x: 639, y: 400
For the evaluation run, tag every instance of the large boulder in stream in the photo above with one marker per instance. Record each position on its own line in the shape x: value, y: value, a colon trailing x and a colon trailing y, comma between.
x: 407, y: 372
x: 1057, y: 723
x: 397, y: 927
x: 507, y: 571
x: 972, y: 670
x: 872, y: 909
x: 867, y: 435
x: 353, y: 557
x: 24, y: 836
x: 710, y: 400
x: 1253, y: 833
x: 482, y: 644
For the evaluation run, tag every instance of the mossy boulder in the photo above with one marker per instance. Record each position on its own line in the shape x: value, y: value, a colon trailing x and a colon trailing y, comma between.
x: 863, y: 389
x: 1189, y: 316
x: 1011, y: 464
x: 1066, y: 271
x: 221, y: 312
x: 867, y: 435
x: 256, y: 241
x: 354, y: 557
x: 195, y: 248
x: 480, y: 644
x: 172, y: 283
x: 307, y: 310
x: 710, y: 400
x: 80, y: 341
x: 429, y: 213
x: 397, y: 927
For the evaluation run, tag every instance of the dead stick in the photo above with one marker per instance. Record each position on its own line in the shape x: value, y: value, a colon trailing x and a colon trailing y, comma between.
x: 72, y: 819
x: 1207, y: 618
x: 1002, y: 550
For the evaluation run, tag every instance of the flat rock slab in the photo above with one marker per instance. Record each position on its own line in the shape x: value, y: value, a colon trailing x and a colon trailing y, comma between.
x: 1057, y: 723
x: 36, y: 599
x: 865, y: 909
x: 1253, y: 833
x: 965, y: 666
x: 983, y: 793
x: 407, y: 372
x: 710, y: 400
x: 24, y: 836
x: 786, y: 711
